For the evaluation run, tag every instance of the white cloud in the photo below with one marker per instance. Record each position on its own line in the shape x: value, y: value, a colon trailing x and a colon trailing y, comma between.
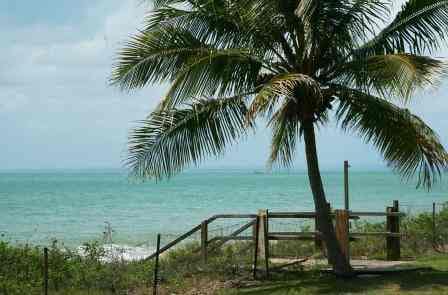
x: 56, y: 106
x: 57, y: 109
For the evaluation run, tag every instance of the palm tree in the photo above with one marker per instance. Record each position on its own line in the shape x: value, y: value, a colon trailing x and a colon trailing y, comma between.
x: 291, y: 62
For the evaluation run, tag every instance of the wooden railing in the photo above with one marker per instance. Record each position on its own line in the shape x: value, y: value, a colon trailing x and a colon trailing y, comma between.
x: 261, y: 234
x: 203, y: 227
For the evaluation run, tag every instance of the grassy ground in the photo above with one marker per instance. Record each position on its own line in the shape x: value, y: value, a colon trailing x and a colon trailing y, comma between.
x: 228, y: 269
x: 310, y: 282
x: 313, y: 282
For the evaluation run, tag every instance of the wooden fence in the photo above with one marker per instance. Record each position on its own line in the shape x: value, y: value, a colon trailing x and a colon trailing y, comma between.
x: 261, y: 235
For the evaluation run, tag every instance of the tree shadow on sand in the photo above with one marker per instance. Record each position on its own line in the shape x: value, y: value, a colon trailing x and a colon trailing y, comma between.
x: 314, y: 282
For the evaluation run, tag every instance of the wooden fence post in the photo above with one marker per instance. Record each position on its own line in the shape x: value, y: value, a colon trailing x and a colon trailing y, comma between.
x: 262, y: 214
x: 342, y: 231
x: 266, y: 242
x: 156, y: 267
x: 46, y: 271
x: 389, y: 222
x: 263, y: 237
x: 204, y: 240
x: 256, y: 236
x: 393, y: 226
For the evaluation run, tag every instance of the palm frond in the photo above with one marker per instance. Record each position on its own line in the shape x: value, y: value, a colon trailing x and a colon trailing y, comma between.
x: 156, y: 56
x: 195, y: 68
x: 307, y: 9
x: 358, y: 18
x: 408, y: 145
x: 391, y: 74
x: 333, y: 28
x: 253, y: 24
x: 285, y: 126
x: 170, y: 140
x: 311, y: 13
x: 348, y: 24
x: 161, y: 3
x: 218, y: 72
x: 419, y: 27
x: 283, y: 86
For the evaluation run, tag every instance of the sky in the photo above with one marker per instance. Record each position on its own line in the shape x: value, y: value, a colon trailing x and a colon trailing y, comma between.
x: 58, y: 111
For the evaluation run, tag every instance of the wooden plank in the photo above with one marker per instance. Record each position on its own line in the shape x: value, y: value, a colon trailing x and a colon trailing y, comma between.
x: 299, y: 237
x: 265, y: 218
x: 393, y: 225
x: 231, y: 238
x: 257, y: 225
x: 291, y: 238
x: 342, y: 231
x: 355, y: 213
x: 176, y: 241
x: 295, y: 233
x: 261, y: 233
x: 301, y: 215
x: 385, y: 234
x: 218, y: 216
x: 235, y: 215
x: 292, y: 215
x: 396, y: 229
x: 388, y: 227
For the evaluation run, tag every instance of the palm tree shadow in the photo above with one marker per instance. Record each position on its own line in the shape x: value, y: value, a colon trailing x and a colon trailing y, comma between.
x: 328, y: 284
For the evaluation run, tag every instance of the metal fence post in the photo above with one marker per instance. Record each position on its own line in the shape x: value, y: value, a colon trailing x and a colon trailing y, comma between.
x: 156, y: 267
x: 46, y: 271
x: 346, y: 199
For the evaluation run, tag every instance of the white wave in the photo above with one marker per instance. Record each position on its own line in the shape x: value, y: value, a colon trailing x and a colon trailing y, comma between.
x: 114, y: 252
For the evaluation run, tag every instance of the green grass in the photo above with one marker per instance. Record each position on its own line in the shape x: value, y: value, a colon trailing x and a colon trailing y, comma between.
x: 313, y: 282
x: 182, y: 269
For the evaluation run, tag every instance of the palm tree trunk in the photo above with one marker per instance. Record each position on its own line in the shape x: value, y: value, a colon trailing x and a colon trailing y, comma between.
x: 336, y: 258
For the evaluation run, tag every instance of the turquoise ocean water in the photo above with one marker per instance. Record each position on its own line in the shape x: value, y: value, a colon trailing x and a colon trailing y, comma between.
x: 73, y: 206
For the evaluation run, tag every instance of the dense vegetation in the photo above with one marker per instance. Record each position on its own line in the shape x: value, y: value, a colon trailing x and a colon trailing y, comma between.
x: 21, y: 267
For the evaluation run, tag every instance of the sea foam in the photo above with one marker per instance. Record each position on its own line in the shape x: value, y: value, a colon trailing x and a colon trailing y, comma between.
x: 115, y: 252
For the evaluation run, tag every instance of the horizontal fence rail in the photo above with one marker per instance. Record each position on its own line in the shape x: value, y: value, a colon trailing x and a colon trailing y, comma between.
x: 377, y: 214
x: 303, y: 215
x: 175, y: 242
x: 261, y: 232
